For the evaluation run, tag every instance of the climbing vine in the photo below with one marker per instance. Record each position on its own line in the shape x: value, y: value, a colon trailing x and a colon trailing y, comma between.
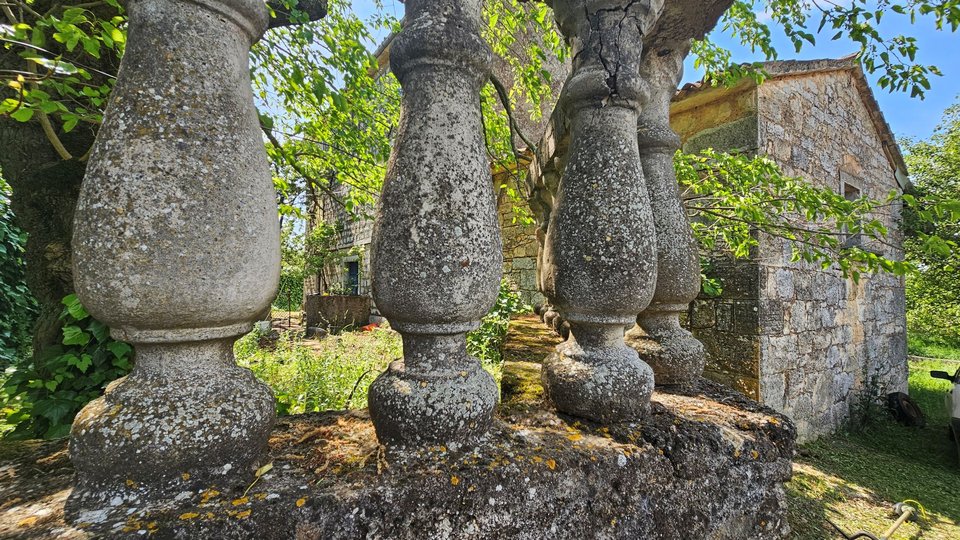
x: 16, y: 302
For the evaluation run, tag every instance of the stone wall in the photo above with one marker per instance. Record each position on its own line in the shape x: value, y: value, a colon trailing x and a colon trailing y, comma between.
x: 728, y: 325
x: 827, y: 342
x: 519, y: 242
x: 717, y: 118
x: 803, y: 340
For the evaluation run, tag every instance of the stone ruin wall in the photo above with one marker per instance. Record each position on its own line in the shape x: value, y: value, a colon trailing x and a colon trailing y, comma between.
x: 817, y: 342
x: 519, y: 245
x: 356, y: 233
x: 825, y: 340
x: 727, y: 325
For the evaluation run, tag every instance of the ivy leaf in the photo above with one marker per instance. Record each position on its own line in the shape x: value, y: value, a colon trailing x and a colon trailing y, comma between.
x: 119, y: 349
x: 75, y: 308
x: 54, y: 409
x: 73, y: 335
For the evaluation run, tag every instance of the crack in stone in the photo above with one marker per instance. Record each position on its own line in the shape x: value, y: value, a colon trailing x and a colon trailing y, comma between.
x: 595, y: 21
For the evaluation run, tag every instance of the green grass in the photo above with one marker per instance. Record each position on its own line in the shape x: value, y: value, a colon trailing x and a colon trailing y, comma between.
x: 855, y: 478
x: 333, y: 373
x: 308, y: 376
x: 919, y: 345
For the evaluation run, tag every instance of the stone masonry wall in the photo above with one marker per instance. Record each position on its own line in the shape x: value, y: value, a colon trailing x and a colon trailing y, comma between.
x: 519, y: 244
x: 727, y: 325
x: 826, y: 341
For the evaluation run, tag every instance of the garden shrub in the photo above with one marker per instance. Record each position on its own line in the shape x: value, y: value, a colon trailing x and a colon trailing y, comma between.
x: 486, y: 342
x: 42, y: 397
x: 321, y: 377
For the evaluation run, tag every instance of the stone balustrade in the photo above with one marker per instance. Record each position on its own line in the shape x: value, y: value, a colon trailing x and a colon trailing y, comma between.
x: 177, y: 241
x: 176, y: 248
x: 677, y: 358
x: 436, y: 255
x: 600, y: 248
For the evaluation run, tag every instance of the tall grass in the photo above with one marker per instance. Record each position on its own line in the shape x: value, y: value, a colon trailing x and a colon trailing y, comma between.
x: 334, y: 373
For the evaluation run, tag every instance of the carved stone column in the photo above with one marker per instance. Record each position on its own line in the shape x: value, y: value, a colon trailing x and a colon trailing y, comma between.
x: 676, y: 356
x: 176, y: 248
x: 437, y: 256
x: 600, y: 249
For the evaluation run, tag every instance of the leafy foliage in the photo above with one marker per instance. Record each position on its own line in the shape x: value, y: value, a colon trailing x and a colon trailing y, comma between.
x: 43, y: 398
x: 893, y: 57
x: 16, y: 302
x: 932, y: 227
x: 732, y: 197
x: 59, y: 48
x: 327, y: 114
x: 292, y: 268
x: 333, y: 374
x: 486, y: 343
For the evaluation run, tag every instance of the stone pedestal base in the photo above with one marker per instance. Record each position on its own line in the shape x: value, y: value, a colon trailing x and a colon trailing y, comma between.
x: 184, y: 412
x: 706, y: 463
x: 441, y: 406
x: 677, y: 358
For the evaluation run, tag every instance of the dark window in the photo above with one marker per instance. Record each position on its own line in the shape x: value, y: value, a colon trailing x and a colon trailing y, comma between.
x: 353, y: 277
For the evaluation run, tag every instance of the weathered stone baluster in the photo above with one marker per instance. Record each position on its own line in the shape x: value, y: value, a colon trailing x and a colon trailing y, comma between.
x: 176, y: 248
x: 600, y: 252
x: 676, y: 356
x: 436, y: 253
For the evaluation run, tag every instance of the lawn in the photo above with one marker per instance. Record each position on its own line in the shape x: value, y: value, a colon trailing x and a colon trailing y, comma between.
x: 855, y: 478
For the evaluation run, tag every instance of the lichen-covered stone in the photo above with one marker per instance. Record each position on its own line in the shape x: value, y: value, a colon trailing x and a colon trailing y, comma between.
x: 599, y: 256
x: 176, y: 248
x: 706, y: 463
x: 437, y: 255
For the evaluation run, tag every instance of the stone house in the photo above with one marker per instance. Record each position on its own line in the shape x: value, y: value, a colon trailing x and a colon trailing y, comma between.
x: 803, y: 340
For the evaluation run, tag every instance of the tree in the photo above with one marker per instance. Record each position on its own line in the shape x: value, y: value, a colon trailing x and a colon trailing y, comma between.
x: 932, y: 230
x: 16, y: 302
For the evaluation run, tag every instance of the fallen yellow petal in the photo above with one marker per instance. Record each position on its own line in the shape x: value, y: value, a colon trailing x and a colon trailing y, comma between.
x: 189, y: 515
x: 301, y: 502
x: 241, y: 500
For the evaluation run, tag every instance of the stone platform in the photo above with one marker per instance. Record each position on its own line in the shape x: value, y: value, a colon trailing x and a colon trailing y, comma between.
x: 707, y: 463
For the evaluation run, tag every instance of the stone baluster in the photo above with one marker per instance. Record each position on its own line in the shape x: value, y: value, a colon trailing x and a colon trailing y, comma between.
x: 600, y: 249
x: 436, y: 252
x: 676, y: 356
x: 176, y: 248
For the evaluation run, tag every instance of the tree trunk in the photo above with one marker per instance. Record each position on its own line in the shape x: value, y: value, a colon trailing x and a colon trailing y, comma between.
x: 45, y: 190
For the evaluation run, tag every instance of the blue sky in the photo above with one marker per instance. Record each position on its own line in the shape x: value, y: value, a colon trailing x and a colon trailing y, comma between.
x: 910, y: 117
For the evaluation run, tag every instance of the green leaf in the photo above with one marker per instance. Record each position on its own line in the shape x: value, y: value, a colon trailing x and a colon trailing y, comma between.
x: 73, y: 335
x: 23, y: 114
x: 119, y: 349
x: 54, y: 409
x: 75, y: 308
